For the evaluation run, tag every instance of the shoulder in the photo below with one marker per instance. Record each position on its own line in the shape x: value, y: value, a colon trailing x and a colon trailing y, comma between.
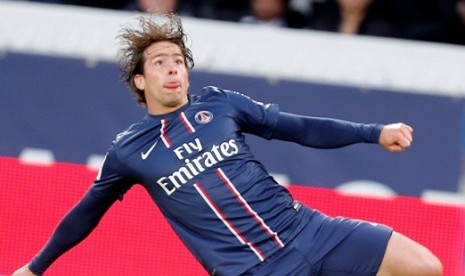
x: 211, y: 91
x: 230, y: 97
x: 128, y: 134
x: 218, y: 92
x: 125, y: 134
x: 125, y: 143
x: 215, y: 91
x: 209, y: 94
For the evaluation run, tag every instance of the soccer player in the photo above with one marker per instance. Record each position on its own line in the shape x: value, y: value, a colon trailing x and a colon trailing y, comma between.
x: 190, y: 155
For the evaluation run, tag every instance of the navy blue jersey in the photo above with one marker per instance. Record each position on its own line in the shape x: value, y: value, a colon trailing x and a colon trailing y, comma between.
x: 197, y: 168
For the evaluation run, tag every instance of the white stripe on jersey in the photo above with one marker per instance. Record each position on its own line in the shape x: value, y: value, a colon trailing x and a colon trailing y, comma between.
x: 164, y: 137
x: 186, y: 123
x: 246, y: 206
x: 226, y: 222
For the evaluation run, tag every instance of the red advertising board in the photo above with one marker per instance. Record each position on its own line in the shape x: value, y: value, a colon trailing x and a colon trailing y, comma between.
x: 134, y: 239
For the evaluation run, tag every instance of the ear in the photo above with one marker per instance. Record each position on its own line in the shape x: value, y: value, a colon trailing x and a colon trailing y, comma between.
x: 139, y: 82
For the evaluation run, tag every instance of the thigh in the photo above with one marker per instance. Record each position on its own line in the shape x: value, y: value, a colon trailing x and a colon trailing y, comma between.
x: 407, y: 257
x: 360, y: 252
x: 290, y: 261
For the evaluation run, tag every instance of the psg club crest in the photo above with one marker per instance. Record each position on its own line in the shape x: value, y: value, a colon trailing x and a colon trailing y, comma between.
x: 203, y: 117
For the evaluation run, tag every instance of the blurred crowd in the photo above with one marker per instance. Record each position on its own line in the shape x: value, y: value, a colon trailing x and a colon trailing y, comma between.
x: 440, y: 21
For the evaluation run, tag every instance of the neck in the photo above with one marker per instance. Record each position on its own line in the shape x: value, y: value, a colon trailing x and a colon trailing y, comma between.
x: 164, y: 109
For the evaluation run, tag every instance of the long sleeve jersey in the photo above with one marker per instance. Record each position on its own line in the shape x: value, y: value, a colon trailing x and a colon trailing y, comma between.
x: 198, y: 169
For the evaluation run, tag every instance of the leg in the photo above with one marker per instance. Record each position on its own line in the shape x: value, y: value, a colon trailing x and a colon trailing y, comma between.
x: 406, y: 257
x: 359, y: 253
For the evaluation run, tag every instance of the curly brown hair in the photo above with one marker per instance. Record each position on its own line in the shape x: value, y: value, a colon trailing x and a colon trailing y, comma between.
x: 134, y: 41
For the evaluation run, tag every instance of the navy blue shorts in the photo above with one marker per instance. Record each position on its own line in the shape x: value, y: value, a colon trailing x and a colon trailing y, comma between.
x: 330, y: 246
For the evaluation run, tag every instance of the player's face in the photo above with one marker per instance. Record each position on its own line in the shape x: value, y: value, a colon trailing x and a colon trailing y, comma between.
x: 165, y: 78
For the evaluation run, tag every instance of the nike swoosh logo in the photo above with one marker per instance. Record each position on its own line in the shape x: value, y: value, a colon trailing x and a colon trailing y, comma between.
x: 146, y: 154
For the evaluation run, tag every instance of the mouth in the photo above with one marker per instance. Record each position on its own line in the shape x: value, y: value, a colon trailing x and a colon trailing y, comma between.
x: 172, y: 84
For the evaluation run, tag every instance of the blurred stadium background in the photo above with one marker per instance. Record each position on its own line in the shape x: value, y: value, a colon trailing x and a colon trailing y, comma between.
x: 61, y: 104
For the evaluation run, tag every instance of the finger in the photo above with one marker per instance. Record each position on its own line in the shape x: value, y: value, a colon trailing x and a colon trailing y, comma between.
x: 404, y: 142
x: 406, y: 133
x: 409, y: 128
x: 396, y: 148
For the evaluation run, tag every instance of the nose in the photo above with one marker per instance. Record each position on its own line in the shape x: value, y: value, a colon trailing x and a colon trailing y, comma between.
x: 172, y: 70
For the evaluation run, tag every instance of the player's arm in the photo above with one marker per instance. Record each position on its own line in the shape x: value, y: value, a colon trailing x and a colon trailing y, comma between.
x: 73, y: 228
x: 332, y: 133
x: 110, y: 185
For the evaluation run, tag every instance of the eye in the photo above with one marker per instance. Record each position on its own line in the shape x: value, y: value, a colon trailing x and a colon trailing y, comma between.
x: 179, y: 62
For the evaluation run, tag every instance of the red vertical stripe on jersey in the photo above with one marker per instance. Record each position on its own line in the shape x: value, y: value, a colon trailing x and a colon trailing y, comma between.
x: 164, y: 137
x: 186, y: 123
x: 249, y: 210
x: 201, y: 190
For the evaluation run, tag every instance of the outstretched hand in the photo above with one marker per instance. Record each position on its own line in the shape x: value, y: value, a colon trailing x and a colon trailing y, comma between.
x: 396, y: 137
x: 23, y: 271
